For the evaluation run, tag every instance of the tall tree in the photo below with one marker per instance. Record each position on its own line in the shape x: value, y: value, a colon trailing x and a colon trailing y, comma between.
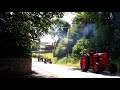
x: 59, y: 28
x: 17, y: 29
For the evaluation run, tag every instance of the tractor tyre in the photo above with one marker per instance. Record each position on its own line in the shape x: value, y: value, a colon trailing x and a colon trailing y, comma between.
x: 84, y: 63
x: 102, y: 69
x: 96, y: 68
x: 113, y: 68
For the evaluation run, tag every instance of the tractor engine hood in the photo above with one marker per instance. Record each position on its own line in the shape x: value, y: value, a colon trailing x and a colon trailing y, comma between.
x: 102, y: 55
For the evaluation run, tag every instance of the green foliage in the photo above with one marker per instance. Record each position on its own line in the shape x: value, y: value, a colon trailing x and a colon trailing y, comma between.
x: 117, y: 62
x: 79, y: 23
x: 72, y: 32
x: 35, y: 45
x: 62, y: 60
x: 107, y: 38
x: 84, y: 18
x: 54, y: 60
x: 66, y: 61
x: 48, y: 55
x: 80, y: 47
x: 19, y: 28
x: 108, y: 33
x: 34, y: 55
x: 61, y: 49
x: 59, y: 28
x: 73, y: 36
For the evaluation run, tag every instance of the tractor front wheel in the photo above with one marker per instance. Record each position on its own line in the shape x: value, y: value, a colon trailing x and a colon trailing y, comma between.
x: 113, y: 68
x: 84, y: 63
x: 102, y: 69
x: 96, y: 68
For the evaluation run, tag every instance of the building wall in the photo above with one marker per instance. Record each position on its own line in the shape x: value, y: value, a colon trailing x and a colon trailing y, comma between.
x: 16, y: 65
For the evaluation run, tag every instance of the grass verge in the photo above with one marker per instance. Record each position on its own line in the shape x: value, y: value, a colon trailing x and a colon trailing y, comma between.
x: 49, y: 55
x: 66, y: 61
x: 117, y: 62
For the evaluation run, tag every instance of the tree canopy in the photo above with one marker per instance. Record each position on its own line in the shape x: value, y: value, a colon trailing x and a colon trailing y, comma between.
x: 105, y: 36
x: 17, y: 29
x: 59, y: 28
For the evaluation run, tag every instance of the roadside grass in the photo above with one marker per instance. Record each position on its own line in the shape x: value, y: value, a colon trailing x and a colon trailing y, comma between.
x: 117, y: 62
x: 35, y: 54
x: 66, y: 61
x: 34, y: 59
x: 49, y: 55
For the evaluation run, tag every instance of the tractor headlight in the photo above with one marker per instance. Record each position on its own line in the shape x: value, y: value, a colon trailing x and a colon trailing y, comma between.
x: 96, y: 63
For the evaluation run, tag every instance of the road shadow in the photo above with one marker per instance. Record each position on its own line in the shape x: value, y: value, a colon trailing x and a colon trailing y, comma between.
x: 75, y: 69
x: 32, y: 74
x: 106, y: 72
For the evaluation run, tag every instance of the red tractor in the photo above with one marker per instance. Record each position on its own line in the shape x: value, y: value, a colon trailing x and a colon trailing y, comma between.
x: 98, y: 61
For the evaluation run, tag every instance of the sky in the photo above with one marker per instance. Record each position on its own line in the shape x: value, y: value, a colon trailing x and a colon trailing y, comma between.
x: 67, y: 17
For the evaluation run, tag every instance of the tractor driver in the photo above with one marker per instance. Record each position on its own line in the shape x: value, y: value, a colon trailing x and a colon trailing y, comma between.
x: 92, y: 52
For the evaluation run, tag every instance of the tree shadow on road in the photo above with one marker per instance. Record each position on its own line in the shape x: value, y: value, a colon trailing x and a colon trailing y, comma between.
x: 31, y: 74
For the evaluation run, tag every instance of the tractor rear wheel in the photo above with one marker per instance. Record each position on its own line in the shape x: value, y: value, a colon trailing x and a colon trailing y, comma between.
x: 113, y: 68
x: 84, y: 63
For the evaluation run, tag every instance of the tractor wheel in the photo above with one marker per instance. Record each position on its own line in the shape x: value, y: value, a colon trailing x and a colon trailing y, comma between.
x: 84, y: 63
x: 96, y: 68
x: 113, y: 68
x: 102, y: 69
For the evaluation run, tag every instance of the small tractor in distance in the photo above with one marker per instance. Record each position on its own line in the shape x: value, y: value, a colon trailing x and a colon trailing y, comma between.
x: 98, y: 61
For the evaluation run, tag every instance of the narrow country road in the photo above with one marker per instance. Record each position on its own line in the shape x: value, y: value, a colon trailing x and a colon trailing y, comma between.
x: 59, y: 71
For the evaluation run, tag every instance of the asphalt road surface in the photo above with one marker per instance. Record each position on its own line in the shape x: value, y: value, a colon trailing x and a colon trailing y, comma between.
x: 60, y: 71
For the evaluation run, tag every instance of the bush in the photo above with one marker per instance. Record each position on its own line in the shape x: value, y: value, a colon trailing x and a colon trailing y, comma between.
x: 80, y: 47
x: 61, y: 49
x: 62, y: 60
x: 54, y: 60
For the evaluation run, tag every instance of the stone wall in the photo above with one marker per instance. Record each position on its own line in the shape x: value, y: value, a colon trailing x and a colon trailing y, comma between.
x: 16, y: 65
